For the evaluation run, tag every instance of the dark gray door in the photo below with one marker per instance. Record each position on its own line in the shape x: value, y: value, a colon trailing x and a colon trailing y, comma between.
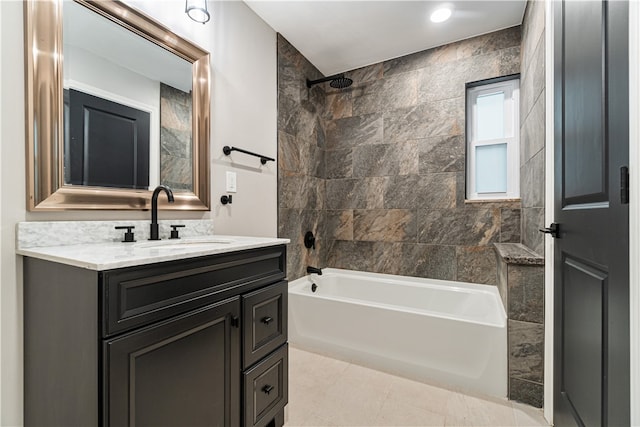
x: 591, y: 302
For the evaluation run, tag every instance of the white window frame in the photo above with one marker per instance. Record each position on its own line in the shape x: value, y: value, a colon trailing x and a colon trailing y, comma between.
x: 511, y: 90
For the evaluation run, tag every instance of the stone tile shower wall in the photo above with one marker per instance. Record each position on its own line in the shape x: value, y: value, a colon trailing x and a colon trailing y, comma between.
x: 526, y: 328
x: 395, y: 161
x: 301, y: 141
x: 532, y: 126
x: 175, y: 138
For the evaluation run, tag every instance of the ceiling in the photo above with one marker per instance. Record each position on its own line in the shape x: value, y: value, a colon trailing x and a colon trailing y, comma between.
x: 338, y: 36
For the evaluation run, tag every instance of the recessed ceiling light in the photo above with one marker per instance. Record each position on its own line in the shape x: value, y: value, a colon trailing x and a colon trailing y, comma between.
x: 441, y: 15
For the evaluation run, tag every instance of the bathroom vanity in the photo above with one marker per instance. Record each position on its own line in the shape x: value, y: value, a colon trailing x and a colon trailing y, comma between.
x: 176, y: 334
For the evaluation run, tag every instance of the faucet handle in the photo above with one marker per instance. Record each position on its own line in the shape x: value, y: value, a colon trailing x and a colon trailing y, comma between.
x: 309, y: 240
x: 128, y: 236
x: 174, y: 231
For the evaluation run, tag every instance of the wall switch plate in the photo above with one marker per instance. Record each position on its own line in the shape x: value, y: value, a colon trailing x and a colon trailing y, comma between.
x: 231, y: 182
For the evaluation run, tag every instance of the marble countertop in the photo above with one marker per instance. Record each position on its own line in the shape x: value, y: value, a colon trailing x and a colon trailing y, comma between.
x: 110, y: 255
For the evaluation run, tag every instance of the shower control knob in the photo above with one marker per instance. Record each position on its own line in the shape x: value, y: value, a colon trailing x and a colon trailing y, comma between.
x: 309, y: 240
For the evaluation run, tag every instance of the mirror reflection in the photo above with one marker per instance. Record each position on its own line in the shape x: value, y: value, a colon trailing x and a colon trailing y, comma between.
x: 127, y: 107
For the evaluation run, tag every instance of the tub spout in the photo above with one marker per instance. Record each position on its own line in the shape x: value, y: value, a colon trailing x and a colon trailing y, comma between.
x: 318, y: 271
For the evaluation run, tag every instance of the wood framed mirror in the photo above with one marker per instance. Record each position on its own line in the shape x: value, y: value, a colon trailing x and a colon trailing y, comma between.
x: 48, y: 184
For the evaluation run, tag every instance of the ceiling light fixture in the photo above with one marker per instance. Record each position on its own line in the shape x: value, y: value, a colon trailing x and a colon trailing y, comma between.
x: 197, y: 10
x: 441, y: 14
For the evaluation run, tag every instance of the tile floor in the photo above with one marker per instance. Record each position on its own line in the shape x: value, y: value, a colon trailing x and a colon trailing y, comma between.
x: 330, y: 392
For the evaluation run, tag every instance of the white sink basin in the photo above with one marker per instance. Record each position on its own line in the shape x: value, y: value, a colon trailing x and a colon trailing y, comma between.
x: 190, y: 242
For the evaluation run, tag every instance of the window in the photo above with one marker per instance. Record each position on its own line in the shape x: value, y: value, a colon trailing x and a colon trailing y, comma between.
x: 493, y: 128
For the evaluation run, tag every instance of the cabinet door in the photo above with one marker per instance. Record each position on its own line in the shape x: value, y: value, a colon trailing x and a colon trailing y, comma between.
x: 182, y: 372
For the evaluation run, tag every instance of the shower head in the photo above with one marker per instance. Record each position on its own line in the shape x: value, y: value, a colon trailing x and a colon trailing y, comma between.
x: 341, y: 82
x: 338, y: 81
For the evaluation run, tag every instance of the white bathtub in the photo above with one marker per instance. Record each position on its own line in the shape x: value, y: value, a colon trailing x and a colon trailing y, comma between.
x: 447, y: 333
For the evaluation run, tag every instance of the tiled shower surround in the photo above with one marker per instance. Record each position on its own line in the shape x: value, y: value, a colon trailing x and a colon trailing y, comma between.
x: 376, y: 170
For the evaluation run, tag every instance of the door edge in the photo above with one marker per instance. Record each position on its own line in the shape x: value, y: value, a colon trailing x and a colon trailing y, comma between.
x: 549, y: 213
x: 634, y: 210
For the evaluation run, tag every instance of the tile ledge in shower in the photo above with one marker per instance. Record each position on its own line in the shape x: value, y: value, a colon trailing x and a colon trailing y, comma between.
x: 517, y: 253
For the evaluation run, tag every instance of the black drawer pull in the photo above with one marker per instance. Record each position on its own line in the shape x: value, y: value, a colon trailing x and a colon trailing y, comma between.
x: 235, y: 321
x: 267, y: 389
x: 266, y: 320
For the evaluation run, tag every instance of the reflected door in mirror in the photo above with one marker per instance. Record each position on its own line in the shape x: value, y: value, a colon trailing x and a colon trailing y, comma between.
x: 106, y: 143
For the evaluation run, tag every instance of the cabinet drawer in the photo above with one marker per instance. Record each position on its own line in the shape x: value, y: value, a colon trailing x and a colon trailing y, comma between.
x: 138, y: 296
x: 266, y: 388
x: 264, y: 322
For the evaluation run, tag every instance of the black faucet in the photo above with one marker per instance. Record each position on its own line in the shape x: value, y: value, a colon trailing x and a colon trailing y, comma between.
x: 318, y: 271
x: 154, y: 209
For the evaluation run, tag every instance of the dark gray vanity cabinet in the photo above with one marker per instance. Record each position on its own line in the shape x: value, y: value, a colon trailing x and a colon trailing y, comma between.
x: 193, y: 342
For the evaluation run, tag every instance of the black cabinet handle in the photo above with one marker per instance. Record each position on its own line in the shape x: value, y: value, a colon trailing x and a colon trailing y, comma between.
x: 266, y: 320
x: 267, y: 389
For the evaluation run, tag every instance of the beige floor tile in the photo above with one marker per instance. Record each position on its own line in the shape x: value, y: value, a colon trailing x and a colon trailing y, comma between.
x: 466, y: 410
x: 419, y: 395
x: 352, y: 401
x: 328, y: 392
x: 312, y: 420
x: 312, y: 370
x: 370, y: 376
x: 302, y: 405
x: 527, y: 416
x: 395, y: 412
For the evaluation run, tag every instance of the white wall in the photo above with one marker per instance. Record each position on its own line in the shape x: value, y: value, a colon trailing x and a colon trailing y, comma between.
x: 244, y: 102
x: 244, y: 96
x: 105, y: 76
x: 0, y: 231
x: 12, y: 209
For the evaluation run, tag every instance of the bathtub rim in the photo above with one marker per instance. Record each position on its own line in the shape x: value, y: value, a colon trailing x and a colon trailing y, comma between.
x: 491, y: 290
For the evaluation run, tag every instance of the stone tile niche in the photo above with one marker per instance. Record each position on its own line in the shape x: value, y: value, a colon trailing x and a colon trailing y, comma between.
x: 521, y: 286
